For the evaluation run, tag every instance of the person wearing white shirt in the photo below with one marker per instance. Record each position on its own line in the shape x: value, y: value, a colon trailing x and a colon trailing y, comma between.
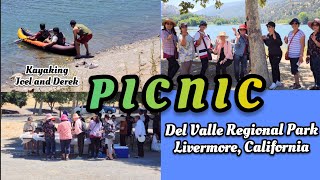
x: 139, y: 132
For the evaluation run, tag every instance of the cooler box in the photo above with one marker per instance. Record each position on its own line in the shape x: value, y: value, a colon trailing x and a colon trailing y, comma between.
x: 121, y: 151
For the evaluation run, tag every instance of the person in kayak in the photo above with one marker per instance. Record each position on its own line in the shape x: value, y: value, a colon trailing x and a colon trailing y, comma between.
x: 42, y: 35
x: 57, y: 38
x: 85, y: 34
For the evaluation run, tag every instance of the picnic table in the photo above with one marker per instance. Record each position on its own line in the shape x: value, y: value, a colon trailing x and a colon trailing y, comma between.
x: 39, y: 137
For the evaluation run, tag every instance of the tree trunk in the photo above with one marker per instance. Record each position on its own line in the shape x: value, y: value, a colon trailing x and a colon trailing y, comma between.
x: 35, y: 108
x: 74, y: 102
x: 40, y: 108
x: 257, y: 50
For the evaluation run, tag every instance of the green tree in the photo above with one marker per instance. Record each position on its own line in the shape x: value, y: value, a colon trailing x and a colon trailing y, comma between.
x: 39, y: 98
x: 114, y: 99
x: 17, y: 98
x: 51, y: 98
x: 303, y: 17
x: 4, y: 98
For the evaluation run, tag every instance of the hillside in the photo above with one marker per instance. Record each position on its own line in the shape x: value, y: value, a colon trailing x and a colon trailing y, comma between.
x: 275, y: 10
x: 169, y: 10
x: 228, y: 10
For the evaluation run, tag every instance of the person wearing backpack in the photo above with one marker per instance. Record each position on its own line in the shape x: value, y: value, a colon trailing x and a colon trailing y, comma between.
x: 203, y: 46
x: 80, y: 132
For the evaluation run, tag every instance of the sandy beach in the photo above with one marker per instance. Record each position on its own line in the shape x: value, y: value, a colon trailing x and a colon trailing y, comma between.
x: 141, y: 58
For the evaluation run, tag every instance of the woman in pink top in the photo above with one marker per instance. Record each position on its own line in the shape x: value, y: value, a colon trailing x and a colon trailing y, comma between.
x: 224, y: 51
x: 64, y: 130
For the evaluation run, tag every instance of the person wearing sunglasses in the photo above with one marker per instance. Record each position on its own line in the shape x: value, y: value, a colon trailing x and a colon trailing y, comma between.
x: 313, y: 52
x: 186, y: 49
x: 273, y: 42
x: 169, y: 44
x: 241, y: 51
x: 203, y: 46
x: 296, y: 43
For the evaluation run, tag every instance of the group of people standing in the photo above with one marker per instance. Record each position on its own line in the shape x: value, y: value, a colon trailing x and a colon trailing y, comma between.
x: 101, y: 128
x: 181, y: 49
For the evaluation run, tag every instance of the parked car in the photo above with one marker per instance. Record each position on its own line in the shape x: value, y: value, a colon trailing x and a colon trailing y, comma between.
x: 80, y: 109
x: 109, y: 109
x: 106, y: 109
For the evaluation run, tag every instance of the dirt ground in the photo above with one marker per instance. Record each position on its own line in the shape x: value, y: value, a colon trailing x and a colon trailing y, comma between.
x: 15, y: 165
x: 306, y: 78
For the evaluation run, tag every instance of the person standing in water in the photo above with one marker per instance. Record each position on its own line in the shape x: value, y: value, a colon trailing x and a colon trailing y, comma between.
x: 85, y: 35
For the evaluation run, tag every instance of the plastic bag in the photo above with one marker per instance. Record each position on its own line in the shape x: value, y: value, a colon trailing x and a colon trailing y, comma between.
x: 156, y: 145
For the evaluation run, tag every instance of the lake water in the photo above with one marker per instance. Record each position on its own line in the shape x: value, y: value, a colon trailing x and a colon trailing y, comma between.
x: 283, y: 30
x: 113, y: 22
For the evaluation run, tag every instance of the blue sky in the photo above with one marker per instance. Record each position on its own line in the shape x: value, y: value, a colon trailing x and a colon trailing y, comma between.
x: 198, y: 7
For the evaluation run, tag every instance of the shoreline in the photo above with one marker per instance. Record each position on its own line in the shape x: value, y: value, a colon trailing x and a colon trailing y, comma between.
x: 140, y: 57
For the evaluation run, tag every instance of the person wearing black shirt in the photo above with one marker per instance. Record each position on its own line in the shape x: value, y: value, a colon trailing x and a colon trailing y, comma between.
x: 274, y: 43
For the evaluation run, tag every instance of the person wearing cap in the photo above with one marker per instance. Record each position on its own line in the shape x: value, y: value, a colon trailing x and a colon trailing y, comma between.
x: 202, y: 43
x: 186, y: 49
x: 49, y: 136
x: 313, y: 52
x: 273, y: 41
x: 30, y: 127
x: 139, y: 132
x: 64, y: 130
x: 169, y: 44
x: 57, y: 38
x: 80, y: 132
x: 223, y: 50
x: 95, y: 128
x: 41, y: 35
x: 241, y: 50
x: 85, y: 35
x: 296, y: 43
